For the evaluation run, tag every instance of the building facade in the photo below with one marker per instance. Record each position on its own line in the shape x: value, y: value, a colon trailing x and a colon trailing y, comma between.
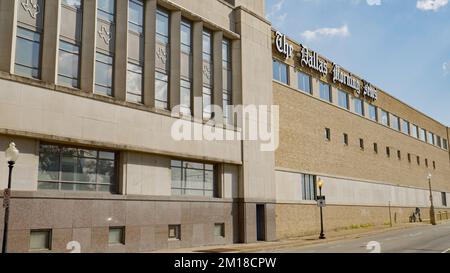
x: 90, y: 91
x: 373, y: 152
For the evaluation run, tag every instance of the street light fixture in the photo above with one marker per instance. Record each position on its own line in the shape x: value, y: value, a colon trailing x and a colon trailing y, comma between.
x: 432, y: 215
x: 12, y: 154
x: 321, y: 199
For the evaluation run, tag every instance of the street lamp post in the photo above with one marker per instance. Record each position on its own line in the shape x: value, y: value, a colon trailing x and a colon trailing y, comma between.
x: 11, y: 157
x: 432, y: 216
x: 322, y: 235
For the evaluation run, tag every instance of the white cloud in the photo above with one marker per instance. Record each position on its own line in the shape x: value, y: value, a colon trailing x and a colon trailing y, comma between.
x: 433, y: 5
x: 326, y: 32
x: 274, y: 13
x: 374, y: 2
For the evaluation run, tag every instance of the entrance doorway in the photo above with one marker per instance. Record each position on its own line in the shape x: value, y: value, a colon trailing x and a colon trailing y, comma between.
x: 260, y: 222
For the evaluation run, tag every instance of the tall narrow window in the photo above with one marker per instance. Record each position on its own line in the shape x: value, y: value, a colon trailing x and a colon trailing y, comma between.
x: 375, y: 148
x: 358, y: 106
x: 373, y: 112
x: 327, y: 134
x: 444, y: 199
x: 30, y: 25
x: 304, y: 82
x: 345, y: 139
x: 104, y: 62
x: 309, y: 188
x: 186, y: 68
x: 343, y: 99
x: 423, y: 135
x: 135, y: 51
x: 280, y: 71
x: 227, y: 81
x: 415, y: 131
x: 445, y: 144
x: 430, y: 138
x: 405, y: 127
x: 325, y: 92
x: 162, y: 54
x: 395, y: 122
x: 208, y: 71
x: 384, y: 118
x: 361, y: 144
x: 438, y: 141
x: 69, y: 44
x: 388, y: 152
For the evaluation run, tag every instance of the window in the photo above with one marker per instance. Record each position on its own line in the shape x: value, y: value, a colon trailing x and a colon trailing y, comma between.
x: 426, y: 162
x: 185, y: 97
x: 434, y: 165
x: 193, y: 179
x: 373, y: 112
x: 328, y: 134
x: 219, y: 230
x: 388, y: 152
x: 207, y: 82
x: 358, y: 106
x: 136, y: 16
x: 418, y: 160
x: 28, y: 53
x: 162, y: 52
x: 135, y: 66
x: 444, y: 199
x: 405, y: 127
x: 116, y: 236
x: 423, y: 135
x: 325, y: 91
x: 399, y: 155
x: 361, y: 143
x: 415, y: 131
x: 104, y: 74
x: 76, y: 4
x: 430, y: 138
x: 76, y: 169
x: 106, y: 9
x: 384, y: 118
x: 227, y: 81
x: 409, y: 157
x: 175, y: 232
x: 345, y: 139
x: 40, y: 240
x: 280, y: 72
x: 395, y: 123
x: 304, y: 82
x: 68, y: 64
x: 343, y: 99
x: 309, y: 188
x: 161, y: 90
x: 134, y: 82
x: 186, y: 62
x: 375, y: 148
x: 445, y: 144
x: 438, y: 141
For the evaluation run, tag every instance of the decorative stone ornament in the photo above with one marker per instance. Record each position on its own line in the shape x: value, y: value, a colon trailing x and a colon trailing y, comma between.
x: 105, y: 35
x: 32, y: 7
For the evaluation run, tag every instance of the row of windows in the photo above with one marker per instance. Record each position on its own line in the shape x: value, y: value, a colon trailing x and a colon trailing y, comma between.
x: 41, y: 240
x: 280, y: 73
x: 28, y: 56
x: 78, y: 169
x: 345, y: 141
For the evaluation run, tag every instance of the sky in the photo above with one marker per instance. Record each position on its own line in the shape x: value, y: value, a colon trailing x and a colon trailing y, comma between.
x: 400, y: 46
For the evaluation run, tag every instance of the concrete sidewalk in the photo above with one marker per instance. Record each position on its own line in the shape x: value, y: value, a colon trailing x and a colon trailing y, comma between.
x: 295, y: 242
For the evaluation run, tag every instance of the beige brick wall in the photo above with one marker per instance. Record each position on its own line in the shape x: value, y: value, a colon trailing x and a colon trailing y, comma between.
x: 303, y: 147
x: 295, y: 220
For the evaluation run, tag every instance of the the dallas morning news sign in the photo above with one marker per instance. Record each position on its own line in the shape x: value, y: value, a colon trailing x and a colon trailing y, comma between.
x: 312, y: 60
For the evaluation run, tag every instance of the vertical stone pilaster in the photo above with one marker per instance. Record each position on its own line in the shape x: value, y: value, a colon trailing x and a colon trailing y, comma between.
x: 121, y: 51
x: 50, y: 41
x: 175, y: 53
x: 197, y: 72
x: 218, y: 74
x: 149, y: 52
x: 88, y: 47
x: 8, y: 25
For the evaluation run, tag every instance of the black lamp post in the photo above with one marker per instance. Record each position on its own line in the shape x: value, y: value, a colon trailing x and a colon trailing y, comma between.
x: 432, y: 215
x: 11, y: 156
x: 320, y: 184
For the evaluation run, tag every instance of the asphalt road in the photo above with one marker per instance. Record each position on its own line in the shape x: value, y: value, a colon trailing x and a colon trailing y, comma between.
x: 423, y: 239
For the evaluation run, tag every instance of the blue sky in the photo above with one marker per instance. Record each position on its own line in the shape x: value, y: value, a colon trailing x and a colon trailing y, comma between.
x: 401, y: 46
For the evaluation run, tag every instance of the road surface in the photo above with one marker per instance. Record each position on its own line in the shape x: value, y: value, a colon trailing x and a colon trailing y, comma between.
x: 422, y: 239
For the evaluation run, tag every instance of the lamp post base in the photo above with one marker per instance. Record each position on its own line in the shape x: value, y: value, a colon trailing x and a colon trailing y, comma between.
x: 322, y: 237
